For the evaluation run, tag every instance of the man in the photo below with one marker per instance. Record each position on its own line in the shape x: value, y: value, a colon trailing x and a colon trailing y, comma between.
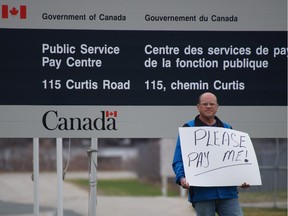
x: 207, y: 200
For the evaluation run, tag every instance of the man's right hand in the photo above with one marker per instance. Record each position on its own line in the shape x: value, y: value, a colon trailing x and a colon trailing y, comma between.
x: 184, y: 183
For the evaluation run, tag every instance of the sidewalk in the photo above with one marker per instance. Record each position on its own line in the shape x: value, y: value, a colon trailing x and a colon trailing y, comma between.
x: 16, y: 199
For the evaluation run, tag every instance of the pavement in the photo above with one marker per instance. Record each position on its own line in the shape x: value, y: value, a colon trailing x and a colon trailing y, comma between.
x: 16, y: 198
x: 17, y: 192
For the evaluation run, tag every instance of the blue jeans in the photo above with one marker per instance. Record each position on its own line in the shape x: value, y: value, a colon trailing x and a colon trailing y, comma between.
x: 223, y: 207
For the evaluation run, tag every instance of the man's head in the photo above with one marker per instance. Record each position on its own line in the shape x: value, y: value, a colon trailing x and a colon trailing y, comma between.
x: 207, y: 106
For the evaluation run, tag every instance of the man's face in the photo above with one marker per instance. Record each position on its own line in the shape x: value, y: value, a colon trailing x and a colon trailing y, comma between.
x: 208, y: 106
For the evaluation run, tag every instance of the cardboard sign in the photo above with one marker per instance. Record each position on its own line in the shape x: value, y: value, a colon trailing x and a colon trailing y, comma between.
x: 214, y: 156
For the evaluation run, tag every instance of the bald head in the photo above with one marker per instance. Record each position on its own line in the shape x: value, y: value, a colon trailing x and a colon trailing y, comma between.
x: 207, y: 95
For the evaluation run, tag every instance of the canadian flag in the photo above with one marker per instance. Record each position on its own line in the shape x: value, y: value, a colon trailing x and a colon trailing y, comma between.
x: 111, y: 114
x: 6, y: 11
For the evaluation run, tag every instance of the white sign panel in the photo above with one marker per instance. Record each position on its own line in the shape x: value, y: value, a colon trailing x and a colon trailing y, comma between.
x: 214, y: 156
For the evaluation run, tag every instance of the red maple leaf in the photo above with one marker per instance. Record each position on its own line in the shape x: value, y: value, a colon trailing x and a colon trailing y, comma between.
x: 14, y: 11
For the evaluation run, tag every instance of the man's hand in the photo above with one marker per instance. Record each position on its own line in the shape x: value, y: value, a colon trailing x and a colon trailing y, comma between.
x: 245, y: 185
x: 184, y: 184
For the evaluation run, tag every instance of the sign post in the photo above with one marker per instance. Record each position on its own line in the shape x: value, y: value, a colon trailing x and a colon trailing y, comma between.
x: 35, y: 176
x: 92, y: 154
x: 59, y: 150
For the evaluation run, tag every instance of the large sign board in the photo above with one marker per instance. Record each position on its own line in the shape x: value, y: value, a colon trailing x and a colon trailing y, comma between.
x: 120, y: 57
x: 67, y: 67
x: 215, y: 156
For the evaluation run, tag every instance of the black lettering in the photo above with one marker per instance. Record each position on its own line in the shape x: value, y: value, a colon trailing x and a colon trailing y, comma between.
x: 200, y: 158
x: 242, y: 141
x: 239, y: 155
x: 88, y: 124
x: 208, y: 139
x: 196, y: 135
x: 216, y: 138
x: 44, y: 119
x: 229, y: 155
x: 193, y: 159
x: 225, y: 139
x: 112, y: 125
x: 62, y: 123
x: 232, y: 138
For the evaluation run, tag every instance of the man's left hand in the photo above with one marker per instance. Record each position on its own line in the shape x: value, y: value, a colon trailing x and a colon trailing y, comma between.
x: 245, y: 185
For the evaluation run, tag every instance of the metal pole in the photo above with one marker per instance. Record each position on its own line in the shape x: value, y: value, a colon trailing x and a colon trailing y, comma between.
x: 276, y: 173
x: 92, y: 152
x: 36, y: 175
x: 59, y: 148
x: 164, y: 190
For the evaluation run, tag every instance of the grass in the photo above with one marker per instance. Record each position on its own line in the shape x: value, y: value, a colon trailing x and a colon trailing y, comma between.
x: 130, y: 187
x: 134, y: 187
x: 264, y: 212
x: 125, y: 187
x: 252, y: 197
